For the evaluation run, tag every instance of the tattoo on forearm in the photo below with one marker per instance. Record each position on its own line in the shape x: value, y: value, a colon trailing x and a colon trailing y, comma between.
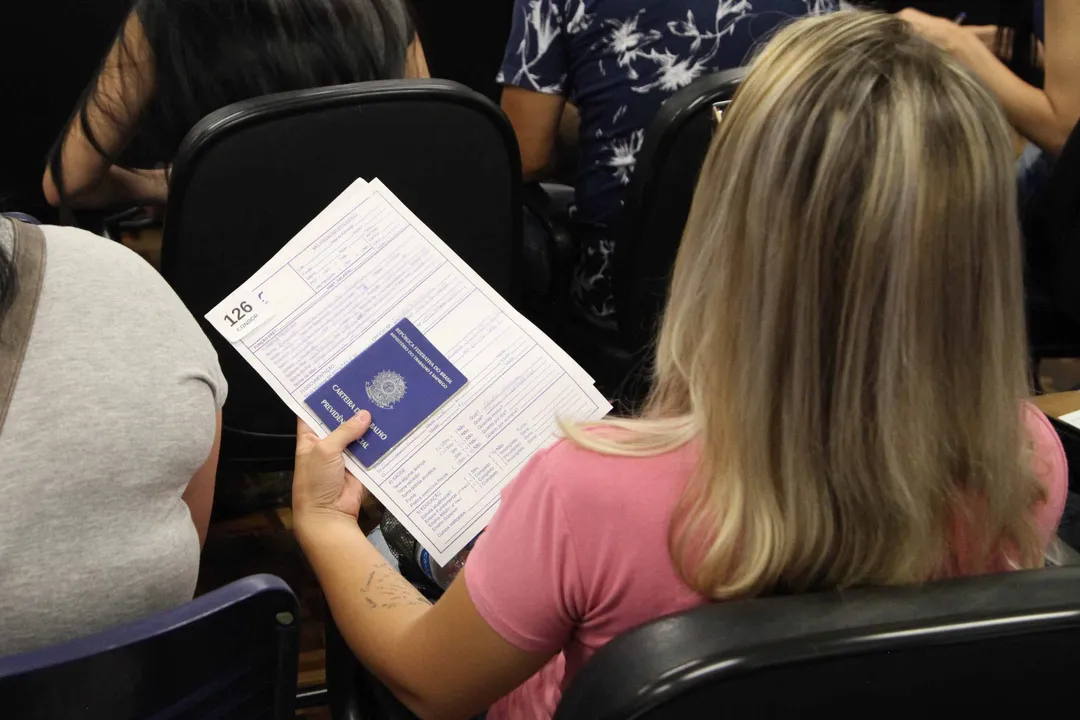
x: 385, y: 588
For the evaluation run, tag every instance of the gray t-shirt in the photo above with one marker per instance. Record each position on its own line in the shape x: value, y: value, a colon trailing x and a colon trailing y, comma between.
x: 113, y: 412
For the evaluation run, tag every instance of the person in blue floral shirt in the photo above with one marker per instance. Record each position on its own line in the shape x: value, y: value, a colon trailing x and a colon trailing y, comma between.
x: 617, y: 61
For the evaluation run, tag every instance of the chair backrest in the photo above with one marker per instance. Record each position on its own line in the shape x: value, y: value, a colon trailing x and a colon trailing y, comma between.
x: 1060, y: 227
x: 231, y: 653
x: 986, y: 644
x: 249, y: 176
x: 658, y: 201
x: 1069, y: 527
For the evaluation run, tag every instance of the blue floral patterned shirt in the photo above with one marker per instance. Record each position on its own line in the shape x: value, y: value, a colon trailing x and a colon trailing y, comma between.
x: 617, y: 61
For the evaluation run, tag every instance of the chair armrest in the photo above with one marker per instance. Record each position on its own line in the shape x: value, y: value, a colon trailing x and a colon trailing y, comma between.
x: 129, y: 220
x: 354, y: 693
x: 342, y: 667
x: 561, y: 247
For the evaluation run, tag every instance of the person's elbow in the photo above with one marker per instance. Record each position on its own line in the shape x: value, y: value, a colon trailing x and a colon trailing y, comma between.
x: 537, y: 154
x: 77, y: 186
x: 1058, y: 135
x: 536, y: 149
x: 199, y: 494
x: 424, y: 705
x: 534, y: 116
x: 535, y: 166
x: 50, y: 189
x: 428, y: 700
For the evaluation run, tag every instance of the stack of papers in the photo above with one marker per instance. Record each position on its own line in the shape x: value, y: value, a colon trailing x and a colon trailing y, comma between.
x: 367, y: 309
x: 1072, y: 418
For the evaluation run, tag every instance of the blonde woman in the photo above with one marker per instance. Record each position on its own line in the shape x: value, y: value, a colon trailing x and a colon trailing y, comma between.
x: 838, y: 396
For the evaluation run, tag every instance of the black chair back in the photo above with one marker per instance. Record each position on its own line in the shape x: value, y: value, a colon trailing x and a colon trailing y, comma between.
x: 1061, y: 226
x: 658, y: 201
x: 249, y: 176
x: 231, y: 653
x: 1052, y: 246
x: 1069, y: 527
x: 985, y: 645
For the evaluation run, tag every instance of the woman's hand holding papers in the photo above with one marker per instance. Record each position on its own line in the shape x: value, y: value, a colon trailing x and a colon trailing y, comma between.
x: 321, y: 484
x: 440, y: 661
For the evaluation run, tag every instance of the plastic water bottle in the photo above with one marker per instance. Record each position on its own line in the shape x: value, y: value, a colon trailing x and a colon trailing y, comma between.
x: 407, y: 549
x: 440, y: 575
x: 401, y: 542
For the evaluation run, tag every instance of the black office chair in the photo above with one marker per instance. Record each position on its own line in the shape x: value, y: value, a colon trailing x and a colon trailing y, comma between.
x: 1053, y: 247
x: 353, y: 692
x: 887, y: 651
x: 987, y: 645
x: 1069, y: 528
x: 658, y: 201
x: 647, y: 237
x: 251, y: 175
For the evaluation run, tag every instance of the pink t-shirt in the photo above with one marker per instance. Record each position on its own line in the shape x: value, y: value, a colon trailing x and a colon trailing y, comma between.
x: 578, y: 554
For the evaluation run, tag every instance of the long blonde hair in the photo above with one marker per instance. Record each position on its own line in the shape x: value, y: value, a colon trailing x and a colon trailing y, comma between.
x: 844, y: 336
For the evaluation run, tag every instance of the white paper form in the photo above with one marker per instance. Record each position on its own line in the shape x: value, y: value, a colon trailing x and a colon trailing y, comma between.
x: 1072, y: 418
x: 362, y: 265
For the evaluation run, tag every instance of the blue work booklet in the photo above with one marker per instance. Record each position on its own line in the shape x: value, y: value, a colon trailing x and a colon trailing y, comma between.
x: 401, y: 379
x: 437, y: 458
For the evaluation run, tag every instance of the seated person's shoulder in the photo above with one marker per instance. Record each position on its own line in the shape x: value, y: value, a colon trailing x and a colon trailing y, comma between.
x: 577, y: 472
x: 83, y: 267
x: 94, y: 254
x: 1048, y: 459
x: 101, y: 297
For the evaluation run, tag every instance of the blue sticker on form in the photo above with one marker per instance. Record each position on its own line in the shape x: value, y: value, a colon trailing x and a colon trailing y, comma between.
x: 401, y: 379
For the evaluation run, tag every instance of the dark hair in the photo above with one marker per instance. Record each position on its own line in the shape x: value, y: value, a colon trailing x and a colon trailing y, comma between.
x: 211, y: 53
x: 1016, y: 40
x: 8, y: 279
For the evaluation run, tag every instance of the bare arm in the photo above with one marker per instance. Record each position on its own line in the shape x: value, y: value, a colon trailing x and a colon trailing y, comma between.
x: 1047, y: 116
x: 123, y: 88
x: 199, y: 494
x: 416, y: 62
x: 442, y: 660
x: 536, y: 118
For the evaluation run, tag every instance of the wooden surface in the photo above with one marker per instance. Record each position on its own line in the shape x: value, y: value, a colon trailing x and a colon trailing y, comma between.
x: 1058, y: 404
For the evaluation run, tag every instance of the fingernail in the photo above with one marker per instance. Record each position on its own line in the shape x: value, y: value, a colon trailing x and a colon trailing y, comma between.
x: 363, y: 417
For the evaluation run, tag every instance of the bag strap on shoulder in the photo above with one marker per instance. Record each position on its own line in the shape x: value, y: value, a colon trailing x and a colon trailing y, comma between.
x: 28, y: 257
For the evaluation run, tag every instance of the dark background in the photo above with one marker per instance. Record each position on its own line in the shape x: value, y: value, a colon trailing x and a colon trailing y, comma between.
x: 48, y: 51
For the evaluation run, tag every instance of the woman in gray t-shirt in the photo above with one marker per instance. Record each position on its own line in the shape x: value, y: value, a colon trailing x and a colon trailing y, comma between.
x: 109, y: 448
